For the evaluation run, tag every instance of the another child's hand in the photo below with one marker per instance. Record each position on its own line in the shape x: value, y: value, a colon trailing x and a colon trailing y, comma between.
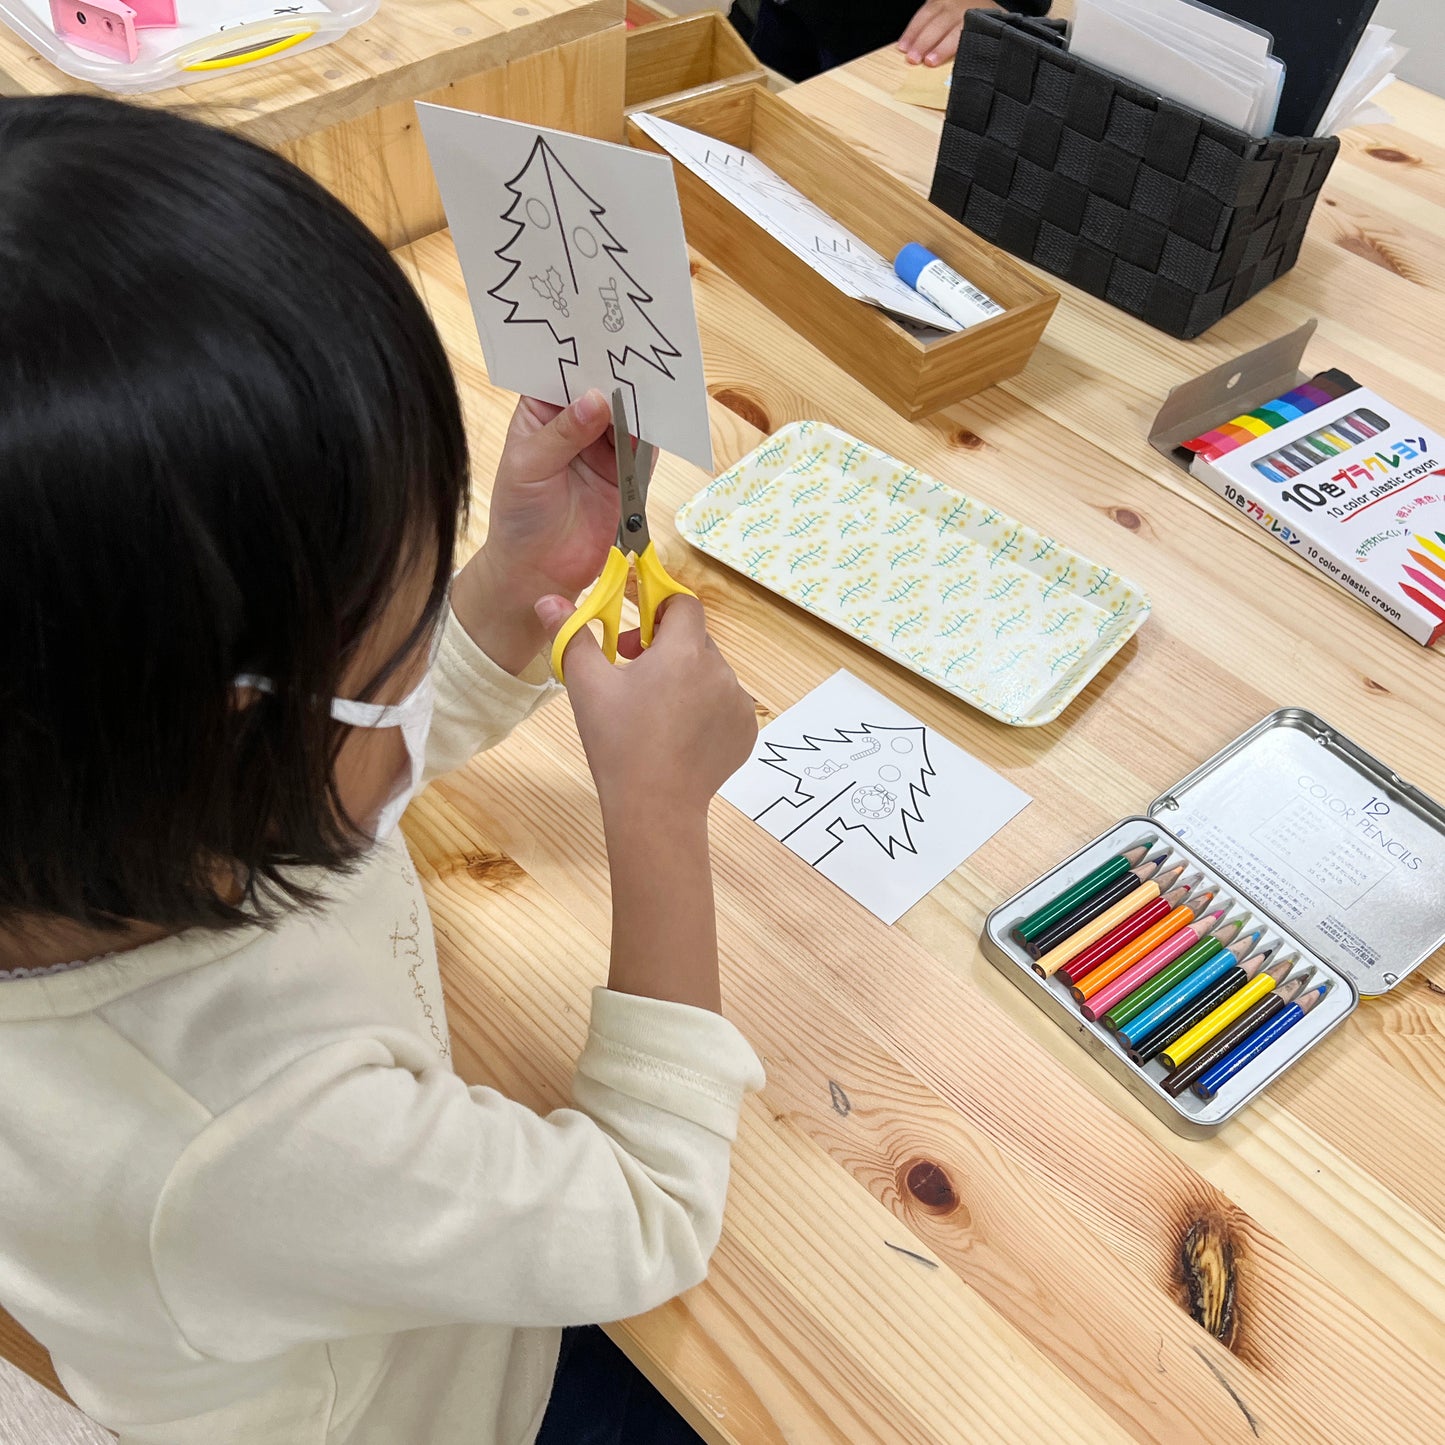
x: 664, y: 732
x: 553, y: 517
x: 932, y: 34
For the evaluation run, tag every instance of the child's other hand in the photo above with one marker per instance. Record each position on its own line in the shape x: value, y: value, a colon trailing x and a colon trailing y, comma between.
x: 553, y: 517
x: 664, y: 732
x: 932, y: 34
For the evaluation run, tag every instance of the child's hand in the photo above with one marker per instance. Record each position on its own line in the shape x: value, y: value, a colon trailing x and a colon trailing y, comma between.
x: 664, y: 732
x: 932, y: 34
x: 553, y: 517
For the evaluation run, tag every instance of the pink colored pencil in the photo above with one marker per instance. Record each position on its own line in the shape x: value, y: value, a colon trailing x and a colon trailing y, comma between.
x: 1152, y: 962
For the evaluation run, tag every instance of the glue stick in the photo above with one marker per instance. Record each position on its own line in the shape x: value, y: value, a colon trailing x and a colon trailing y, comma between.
x: 943, y: 286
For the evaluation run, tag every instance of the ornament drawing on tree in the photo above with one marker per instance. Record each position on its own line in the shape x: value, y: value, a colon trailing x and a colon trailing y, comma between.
x: 857, y: 796
x: 561, y: 251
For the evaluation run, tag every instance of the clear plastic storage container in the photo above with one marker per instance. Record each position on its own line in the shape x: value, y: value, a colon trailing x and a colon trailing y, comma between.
x: 213, y: 37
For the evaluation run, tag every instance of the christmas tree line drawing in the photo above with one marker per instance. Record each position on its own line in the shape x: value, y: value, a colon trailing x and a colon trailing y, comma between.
x: 868, y: 779
x: 565, y: 272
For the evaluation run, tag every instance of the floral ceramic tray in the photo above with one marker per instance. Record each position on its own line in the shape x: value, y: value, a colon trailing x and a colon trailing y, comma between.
x: 1001, y: 616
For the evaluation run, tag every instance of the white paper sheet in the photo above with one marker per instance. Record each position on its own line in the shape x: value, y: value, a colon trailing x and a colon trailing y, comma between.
x: 869, y: 796
x: 577, y: 269
x: 787, y: 215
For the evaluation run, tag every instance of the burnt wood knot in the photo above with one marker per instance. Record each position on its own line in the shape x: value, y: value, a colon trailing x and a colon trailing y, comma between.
x: 493, y: 870
x: 746, y: 405
x: 693, y: 267
x: 1131, y: 521
x: 968, y: 440
x: 1393, y: 156
x: 928, y: 1183
x: 1209, y: 1272
x: 842, y: 1105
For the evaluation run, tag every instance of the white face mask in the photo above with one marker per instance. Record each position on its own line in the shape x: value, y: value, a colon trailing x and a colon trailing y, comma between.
x: 413, y: 715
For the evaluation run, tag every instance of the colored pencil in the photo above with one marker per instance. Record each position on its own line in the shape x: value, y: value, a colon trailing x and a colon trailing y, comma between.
x: 1135, y: 1003
x: 1214, y: 1078
x: 1092, y: 907
x: 1109, y: 991
x: 1189, y: 988
x: 1072, y: 947
x: 1143, y: 1047
x: 1088, y: 885
x: 1372, y: 419
x: 1297, y: 459
x: 1184, y: 1047
x: 1170, y: 926
x: 1269, y: 473
x: 1122, y: 935
x: 1259, y: 1012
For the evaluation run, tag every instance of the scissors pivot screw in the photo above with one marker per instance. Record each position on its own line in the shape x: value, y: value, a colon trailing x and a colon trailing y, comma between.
x: 634, y: 522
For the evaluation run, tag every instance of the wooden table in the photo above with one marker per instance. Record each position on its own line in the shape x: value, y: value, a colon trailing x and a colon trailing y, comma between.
x: 345, y: 111
x: 946, y: 1223
x: 939, y: 1201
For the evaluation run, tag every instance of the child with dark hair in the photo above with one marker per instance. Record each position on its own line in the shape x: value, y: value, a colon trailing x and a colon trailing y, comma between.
x: 246, y: 1200
x: 803, y: 38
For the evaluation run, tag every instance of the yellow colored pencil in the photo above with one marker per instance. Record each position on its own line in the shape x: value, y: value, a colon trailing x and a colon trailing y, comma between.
x: 1225, y: 1014
x: 1051, y: 962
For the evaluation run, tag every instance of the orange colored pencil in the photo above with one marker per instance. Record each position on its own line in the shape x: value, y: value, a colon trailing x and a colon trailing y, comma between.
x: 1126, y: 958
x: 1076, y: 943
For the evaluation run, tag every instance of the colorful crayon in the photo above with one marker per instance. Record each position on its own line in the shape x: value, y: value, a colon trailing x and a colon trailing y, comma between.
x: 1184, y: 1047
x: 1072, y: 947
x: 1191, y: 986
x: 1145, y: 1047
x: 1435, y: 549
x: 1214, y: 1078
x: 1428, y: 563
x: 1092, y: 907
x: 1261, y: 1011
x: 1111, y: 991
x: 1171, y: 926
x: 1136, y: 1002
x: 1124, y: 934
x: 1088, y: 885
x: 1427, y: 584
x: 1415, y: 595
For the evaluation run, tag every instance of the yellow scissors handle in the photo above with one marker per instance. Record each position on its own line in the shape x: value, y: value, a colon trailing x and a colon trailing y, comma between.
x: 654, y: 586
x: 602, y: 604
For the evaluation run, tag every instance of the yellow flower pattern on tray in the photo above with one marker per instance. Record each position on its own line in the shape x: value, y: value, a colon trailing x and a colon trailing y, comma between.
x: 1005, y: 618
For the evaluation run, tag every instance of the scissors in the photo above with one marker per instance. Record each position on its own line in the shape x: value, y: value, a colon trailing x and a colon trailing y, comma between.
x: 634, y: 543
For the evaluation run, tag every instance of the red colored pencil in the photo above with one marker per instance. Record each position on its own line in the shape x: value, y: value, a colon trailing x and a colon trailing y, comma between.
x: 1122, y: 934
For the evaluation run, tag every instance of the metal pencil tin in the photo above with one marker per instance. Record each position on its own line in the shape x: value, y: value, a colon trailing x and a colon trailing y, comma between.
x: 1326, y: 849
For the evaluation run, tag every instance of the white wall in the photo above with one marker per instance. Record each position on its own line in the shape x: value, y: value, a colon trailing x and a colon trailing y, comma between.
x: 1420, y: 25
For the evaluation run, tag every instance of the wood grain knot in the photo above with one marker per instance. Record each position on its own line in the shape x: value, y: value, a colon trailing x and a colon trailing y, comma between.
x: 745, y: 405
x: 694, y: 267
x: 494, y: 870
x: 1377, y: 687
x: 1389, y: 153
x: 1130, y: 520
x: 929, y: 1184
x: 1208, y: 1270
x: 764, y: 712
x: 968, y: 440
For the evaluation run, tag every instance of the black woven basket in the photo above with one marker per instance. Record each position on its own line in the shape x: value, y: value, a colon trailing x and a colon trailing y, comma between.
x: 1172, y: 216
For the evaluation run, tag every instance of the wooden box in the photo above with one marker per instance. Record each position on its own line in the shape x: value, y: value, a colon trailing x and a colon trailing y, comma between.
x: 686, y: 56
x: 913, y: 376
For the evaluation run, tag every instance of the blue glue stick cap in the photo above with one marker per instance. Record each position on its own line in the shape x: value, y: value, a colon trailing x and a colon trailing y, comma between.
x: 911, y: 260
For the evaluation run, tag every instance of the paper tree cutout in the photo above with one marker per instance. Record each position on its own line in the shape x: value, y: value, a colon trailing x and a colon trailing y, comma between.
x: 869, y: 780
x: 564, y: 263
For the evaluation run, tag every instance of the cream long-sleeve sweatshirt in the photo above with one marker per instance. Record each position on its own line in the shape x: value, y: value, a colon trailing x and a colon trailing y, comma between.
x: 244, y: 1200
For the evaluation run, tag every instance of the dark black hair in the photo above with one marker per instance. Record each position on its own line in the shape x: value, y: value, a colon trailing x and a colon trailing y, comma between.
x: 226, y: 424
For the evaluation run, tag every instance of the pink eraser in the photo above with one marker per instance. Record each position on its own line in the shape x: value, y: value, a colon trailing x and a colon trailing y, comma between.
x: 106, y: 26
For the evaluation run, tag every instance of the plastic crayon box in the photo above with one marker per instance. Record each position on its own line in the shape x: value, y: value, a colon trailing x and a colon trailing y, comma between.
x: 1337, y: 473
x: 1299, y: 833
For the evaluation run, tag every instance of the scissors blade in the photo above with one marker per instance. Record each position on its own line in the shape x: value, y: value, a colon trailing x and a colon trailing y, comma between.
x: 633, y: 469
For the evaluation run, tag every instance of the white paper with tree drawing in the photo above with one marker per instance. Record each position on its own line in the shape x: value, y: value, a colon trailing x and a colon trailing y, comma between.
x: 871, y: 797
x: 575, y: 263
